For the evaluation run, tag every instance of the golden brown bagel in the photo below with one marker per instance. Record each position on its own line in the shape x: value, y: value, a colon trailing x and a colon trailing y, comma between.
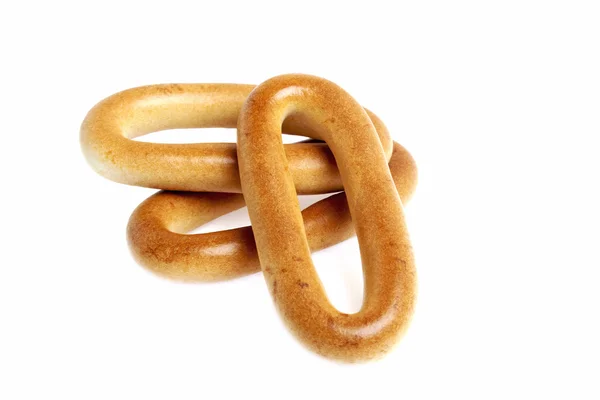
x: 108, y: 128
x: 283, y: 249
x: 157, y: 239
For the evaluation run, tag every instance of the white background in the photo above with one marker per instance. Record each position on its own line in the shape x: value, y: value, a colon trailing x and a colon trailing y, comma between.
x: 499, y: 102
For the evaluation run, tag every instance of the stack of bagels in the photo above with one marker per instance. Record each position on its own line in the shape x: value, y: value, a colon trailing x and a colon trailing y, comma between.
x: 350, y: 151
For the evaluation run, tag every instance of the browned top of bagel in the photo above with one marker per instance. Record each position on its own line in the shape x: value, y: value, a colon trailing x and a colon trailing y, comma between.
x: 109, y: 127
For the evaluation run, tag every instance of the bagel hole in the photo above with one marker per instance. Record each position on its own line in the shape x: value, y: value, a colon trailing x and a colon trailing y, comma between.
x: 340, y: 270
x: 201, y: 135
x: 235, y: 219
x: 339, y: 266
x: 240, y: 218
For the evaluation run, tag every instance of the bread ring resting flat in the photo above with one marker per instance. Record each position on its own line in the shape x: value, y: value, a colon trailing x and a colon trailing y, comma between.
x: 108, y: 128
x: 157, y: 239
x: 376, y: 209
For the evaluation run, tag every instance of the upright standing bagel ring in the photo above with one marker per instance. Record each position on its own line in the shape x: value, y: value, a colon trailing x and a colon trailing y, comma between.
x: 335, y: 117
